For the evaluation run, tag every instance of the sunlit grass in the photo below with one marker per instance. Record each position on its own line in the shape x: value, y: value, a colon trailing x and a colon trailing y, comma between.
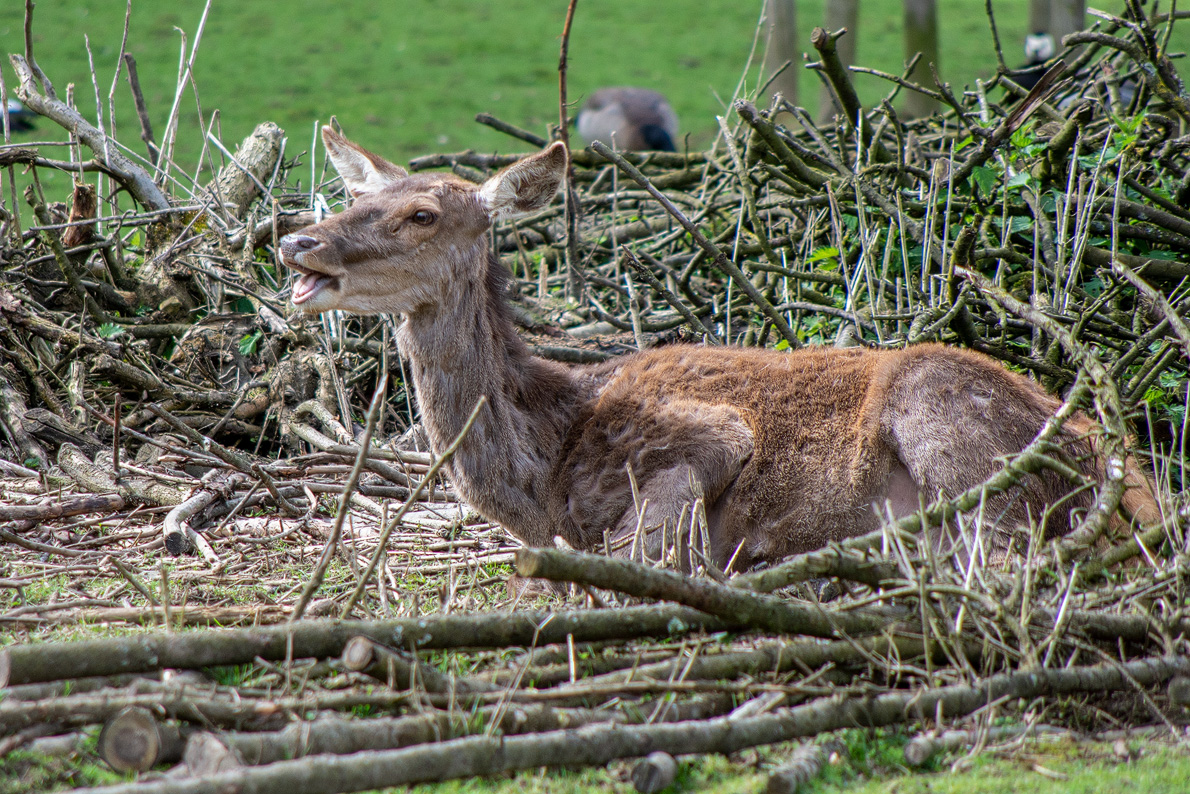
x: 408, y: 78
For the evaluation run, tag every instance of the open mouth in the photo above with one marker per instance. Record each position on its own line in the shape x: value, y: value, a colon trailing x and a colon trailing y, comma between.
x: 309, y: 285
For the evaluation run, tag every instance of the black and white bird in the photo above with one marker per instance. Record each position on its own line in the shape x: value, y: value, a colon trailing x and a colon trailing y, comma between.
x: 20, y: 118
x: 1039, y: 48
x: 628, y: 118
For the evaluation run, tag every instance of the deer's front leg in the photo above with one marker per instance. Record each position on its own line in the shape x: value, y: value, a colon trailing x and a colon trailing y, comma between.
x: 659, y: 520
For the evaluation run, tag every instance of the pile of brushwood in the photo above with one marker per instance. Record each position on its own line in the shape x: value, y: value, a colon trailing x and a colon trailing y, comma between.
x: 180, y: 450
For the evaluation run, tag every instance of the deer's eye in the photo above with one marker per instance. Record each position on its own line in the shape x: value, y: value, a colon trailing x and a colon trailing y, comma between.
x: 423, y: 217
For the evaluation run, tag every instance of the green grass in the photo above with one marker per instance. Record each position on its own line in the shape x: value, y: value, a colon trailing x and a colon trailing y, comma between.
x: 1066, y: 768
x: 408, y: 78
x: 873, y: 768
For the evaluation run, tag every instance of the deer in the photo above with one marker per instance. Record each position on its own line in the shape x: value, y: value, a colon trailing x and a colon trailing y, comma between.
x: 786, y: 451
x: 633, y: 119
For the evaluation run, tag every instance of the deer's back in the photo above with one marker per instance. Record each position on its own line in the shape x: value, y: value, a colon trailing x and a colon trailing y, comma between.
x: 833, y: 433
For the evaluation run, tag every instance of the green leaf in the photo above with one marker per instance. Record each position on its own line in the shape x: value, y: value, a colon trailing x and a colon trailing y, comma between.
x: 248, y: 343
x: 825, y: 252
x: 1170, y: 380
x: 782, y: 345
x: 985, y: 179
x: 1019, y: 180
x: 110, y: 330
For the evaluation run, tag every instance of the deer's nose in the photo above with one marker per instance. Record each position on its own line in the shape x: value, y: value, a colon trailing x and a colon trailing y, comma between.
x: 300, y: 242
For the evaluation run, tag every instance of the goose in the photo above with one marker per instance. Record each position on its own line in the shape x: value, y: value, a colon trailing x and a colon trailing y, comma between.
x: 19, y: 117
x: 633, y: 119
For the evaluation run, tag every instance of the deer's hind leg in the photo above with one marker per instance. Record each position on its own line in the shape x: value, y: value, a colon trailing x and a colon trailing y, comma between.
x: 954, y: 421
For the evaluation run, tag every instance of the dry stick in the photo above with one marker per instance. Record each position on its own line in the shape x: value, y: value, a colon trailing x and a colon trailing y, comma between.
x: 400, y: 670
x: 43, y: 548
x: 342, y: 736
x: 750, y: 204
x: 1162, y: 74
x: 447, y: 454
x: 153, y: 617
x: 840, y: 81
x: 228, y: 456
x: 185, y: 72
x: 46, y: 85
x: 332, y: 543
x: 1107, y: 400
x: 116, y: 436
x: 1019, y: 115
x: 730, y: 603
x: 15, y: 216
x: 654, y: 773
x: 597, y: 745
x: 52, y: 661
x: 1175, y: 320
x: 133, y: 580
x: 142, y: 111
x: 180, y: 537
x: 1153, y: 268
x: 136, y: 741
x: 580, y: 157
x: 15, y: 350
x: 782, y: 656
x: 768, y: 133
x: 65, y: 266
x: 489, y: 120
x: 803, y: 765
x: 63, y: 509
x: 712, y: 250
x: 287, y: 507
x: 922, y: 748
x: 322, y: 442
x: 670, y: 298
x: 900, y: 81
x: 130, y: 175
x: 575, y: 280
x: 190, y: 703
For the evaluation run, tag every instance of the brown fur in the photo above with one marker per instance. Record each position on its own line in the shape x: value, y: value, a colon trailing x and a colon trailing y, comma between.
x: 789, y: 450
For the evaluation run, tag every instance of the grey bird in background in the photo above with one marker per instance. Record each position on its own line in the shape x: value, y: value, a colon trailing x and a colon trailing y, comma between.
x: 1039, y: 48
x: 633, y: 119
x: 20, y: 118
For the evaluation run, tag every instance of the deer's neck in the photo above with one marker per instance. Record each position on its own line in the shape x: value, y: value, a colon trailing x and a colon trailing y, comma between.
x: 464, y: 347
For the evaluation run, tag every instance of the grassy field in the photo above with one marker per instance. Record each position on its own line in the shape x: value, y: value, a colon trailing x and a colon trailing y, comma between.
x: 408, y: 78
x: 869, y: 764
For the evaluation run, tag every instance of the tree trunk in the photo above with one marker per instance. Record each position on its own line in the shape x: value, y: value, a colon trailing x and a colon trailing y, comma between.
x: 921, y: 35
x: 780, y: 45
x: 1066, y: 17
x: 839, y: 14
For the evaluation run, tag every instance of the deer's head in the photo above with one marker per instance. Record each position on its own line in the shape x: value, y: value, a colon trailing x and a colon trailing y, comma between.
x: 407, y: 238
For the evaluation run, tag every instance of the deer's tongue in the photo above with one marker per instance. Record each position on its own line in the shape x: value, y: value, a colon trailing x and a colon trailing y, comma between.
x: 308, y: 285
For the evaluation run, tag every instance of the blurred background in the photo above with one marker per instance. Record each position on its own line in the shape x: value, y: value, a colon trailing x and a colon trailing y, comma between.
x: 407, y: 78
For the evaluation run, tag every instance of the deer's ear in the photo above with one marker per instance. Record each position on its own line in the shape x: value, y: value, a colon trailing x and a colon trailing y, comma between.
x: 362, y: 171
x: 525, y: 186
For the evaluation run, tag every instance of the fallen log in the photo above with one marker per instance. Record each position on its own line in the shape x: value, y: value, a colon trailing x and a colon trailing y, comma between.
x: 597, y: 744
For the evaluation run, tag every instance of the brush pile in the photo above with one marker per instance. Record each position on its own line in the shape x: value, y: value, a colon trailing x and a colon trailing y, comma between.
x: 179, y: 450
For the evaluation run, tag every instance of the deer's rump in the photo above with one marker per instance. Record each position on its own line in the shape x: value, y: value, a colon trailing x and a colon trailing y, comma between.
x: 798, y: 449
